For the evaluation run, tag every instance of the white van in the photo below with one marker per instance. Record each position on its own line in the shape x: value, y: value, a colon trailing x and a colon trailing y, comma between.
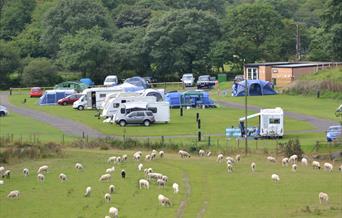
x: 111, y: 80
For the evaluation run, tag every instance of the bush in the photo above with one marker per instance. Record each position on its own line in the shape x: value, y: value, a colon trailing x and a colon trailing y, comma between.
x: 291, y: 147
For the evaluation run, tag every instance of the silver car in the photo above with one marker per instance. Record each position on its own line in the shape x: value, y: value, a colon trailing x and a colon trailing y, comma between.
x: 135, y: 117
x: 3, y: 111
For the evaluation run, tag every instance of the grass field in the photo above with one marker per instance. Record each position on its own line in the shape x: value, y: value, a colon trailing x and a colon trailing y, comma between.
x: 205, y: 186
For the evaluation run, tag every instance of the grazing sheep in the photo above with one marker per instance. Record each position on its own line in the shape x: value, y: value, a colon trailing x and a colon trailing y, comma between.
x: 43, y: 169
x: 111, y: 189
x: 184, y: 154
x: 328, y: 167
x: 293, y: 159
x: 238, y: 157
x: 107, y: 216
x: 137, y: 155
x: 153, y: 156
x: 113, y: 212
x: 111, y: 159
x: 275, y: 178
x: 79, y: 166
x: 2, y: 170
x: 161, y: 154
x: 14, y: 194
x: 271, y: 159
x: 110, y: 170
x: 7, y: 174
x: 304, y: 161
x: 220, y: 158
x: 284, y: 162
x: 148, y: 170
x: 1, y: 182
x: 118, y: 160
x: 123, y: 174
x: 201, y: 153
x: 316, y: 165
x: 323, y: 197
x: 161, y: 183
x: 107, y: 197
x: 165, y: 178
x: 154, y: 176
x: 124, y: 157
x: 63, y: 177
x: 253, y: 167
x: 230, y: 159
x: 340, y: 168
x: 105, y: 177
x: 209, y: 154
x: 26, y: 172
x: 175, y: 187
x: 143, y: 183
x: 229, y: 168
x: 87, y: 192
x: 140, y: 166
x: 148, y: 157
x: 41, y: 177
x: 230, y: 162
x: 294, y: 167
x: 164, y: 201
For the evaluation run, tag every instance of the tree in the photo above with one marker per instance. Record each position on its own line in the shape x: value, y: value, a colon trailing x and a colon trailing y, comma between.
x: 216, y: 6
x: 133, y: 16
x: 179, y: 41
x: 40, y: 72
x: 70, y: 16
x: 9, y: 61
x: 15, y: 14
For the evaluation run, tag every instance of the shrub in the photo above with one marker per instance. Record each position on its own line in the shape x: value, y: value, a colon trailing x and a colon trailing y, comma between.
x: 291, y: 147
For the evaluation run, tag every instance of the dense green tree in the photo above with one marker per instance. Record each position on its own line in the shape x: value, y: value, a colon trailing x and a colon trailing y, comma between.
x: 133, y: 16
x: 212, y: 5
x: 9, y: 61
x: 15, y: 14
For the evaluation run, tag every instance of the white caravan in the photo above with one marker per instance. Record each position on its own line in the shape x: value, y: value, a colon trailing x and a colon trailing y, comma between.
x: 271, y: 122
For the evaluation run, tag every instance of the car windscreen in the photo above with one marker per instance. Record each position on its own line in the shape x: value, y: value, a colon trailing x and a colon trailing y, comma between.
x: 111, y: 79
x: 36, y: 89
x: 203, y: 78
x: 187, y: 77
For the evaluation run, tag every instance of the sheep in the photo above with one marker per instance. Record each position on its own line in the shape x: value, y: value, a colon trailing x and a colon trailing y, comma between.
x: 87, y: 192
x: 165, y: 178
x: 143, y: 183
x: 105, y: 177
x: 7, y: 174
x: 316, y: 165
x: 137, y: 155
x: 304, y: 161
x: 107, y: 197
x: 124, y: 157
x: 118, y: 160
x: 140, y: 166
x: 113, y: 212
x: 209, y: 154
x: 201, y: 153
x: 14, y: 194
x: 148, y: 170
x: 111, y: 159
x: 79, y: 166
x: 41, y: 177
x: 164, y: 201
x: 253, y: 167
x: 161, y: 154
x: 271, y: 159
x: 229, y: 162
x: 111, y: 189
x: 123, y: 174
x: 230, y: 159
x: 275, y: 178
x: 340, y: 168
x: 293, y: 159
x: 219, y: 158
x: 148, y: 157
x: 153, y: 156
x: 323, y: 197
x: 154, y: 176
x: 328, y: 167
x: 294, y: 167
x: 161, y: 183
x: 175, y: 187
x: 1, y: 182
x: 62, y: 177
x: 238, y: 157
x: 26, y: 172
x: 229, y: 168
x: 284, y: 162
x: 110, y: 170
x: 184, y: 154
x: 107, y: 216
x: 2, y: 170
x: 43, y: 169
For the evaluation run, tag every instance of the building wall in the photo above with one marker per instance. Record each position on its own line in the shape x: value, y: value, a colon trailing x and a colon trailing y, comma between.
x: 298, y: 72
x: 282, y: 76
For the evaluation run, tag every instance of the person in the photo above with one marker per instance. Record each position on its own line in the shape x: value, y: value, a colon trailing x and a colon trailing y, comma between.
x: 123, y: 174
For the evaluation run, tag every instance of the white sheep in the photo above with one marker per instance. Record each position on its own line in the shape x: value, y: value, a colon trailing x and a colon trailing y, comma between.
x: 43, y: 169
x: 148, y: 170
x: 140, y: 166
x: 293, y: 159
x: 110, y: 170
x: 165, y: 178
x: 62, y: 177
x: 148, y: 157
x: 161, y: 183
x: 143, y: 183
x: 113, y: 212
x: 79, y: 166
x: 41, y: 177
x: 323, y: 197
x: 184, y: 154
x: 304, y: 161
x: 175, y: 188
x: 154, y: 176
x: 14, y: 194
x: 238, y: 157
x: 275, y: 178
x: 2, y: 170
x: 328, y: 167
x: 26, y: 171
x: 253, y: 167
x: 118, y: 160
x: 161, y: 154
x: 111, y: 189
x: 294, y: 167
x: 7, y: 174
x: 340, y: 168
x: 164, y: 201
x: 284, y: 161
x: 2, y: 182
x: 124, y: 157
x: 229, y: 168
x: 201, y: 153
x: 137, y: 155
x: 220, y: 158
x: 271, y: 159
x: 111, y: 159
x: 105, y: 177
x: 87, y: 192
x: 209, y: 154
x: 107, y: 197
x: 316, y: 165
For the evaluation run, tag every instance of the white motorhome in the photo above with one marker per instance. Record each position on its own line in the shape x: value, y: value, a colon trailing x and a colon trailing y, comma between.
x: 271, y: 122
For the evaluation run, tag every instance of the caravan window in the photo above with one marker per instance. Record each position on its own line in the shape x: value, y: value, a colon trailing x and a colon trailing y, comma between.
x: 116, y: 105
x: 102, y: 95
x: 123, y: 101
x: 123, y: 111
x: 153, y: 109
x: 274, y: 121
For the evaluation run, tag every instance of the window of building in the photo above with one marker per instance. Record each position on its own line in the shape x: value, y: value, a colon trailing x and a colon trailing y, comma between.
x: 252, y: 73
x: 274, y: 121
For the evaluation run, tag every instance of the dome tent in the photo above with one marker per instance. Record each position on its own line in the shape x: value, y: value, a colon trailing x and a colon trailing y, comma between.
x: 255, y: 88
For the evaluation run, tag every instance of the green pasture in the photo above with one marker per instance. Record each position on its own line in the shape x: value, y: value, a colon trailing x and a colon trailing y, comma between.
x: 206, y: 188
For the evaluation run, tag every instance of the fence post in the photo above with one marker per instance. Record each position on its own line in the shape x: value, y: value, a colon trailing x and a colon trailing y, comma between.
x: 208, y: 141
x: 162, y: 140
x: 63, y: 139
x: 10, y: 91
x: 83, y: 135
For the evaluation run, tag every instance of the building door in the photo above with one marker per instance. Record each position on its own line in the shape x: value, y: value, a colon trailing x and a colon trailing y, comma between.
x: 93, y: 100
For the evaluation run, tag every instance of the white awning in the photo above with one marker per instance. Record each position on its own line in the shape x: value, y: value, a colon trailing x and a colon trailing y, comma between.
x: 141, y: 104
x: 250, y: 116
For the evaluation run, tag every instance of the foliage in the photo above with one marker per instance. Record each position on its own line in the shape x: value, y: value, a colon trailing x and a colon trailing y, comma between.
x: 292, y: 147
x: 133, y: 16
x: 9, y: 61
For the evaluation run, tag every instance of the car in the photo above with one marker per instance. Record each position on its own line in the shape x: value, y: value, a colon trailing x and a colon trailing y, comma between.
x: 70, y: 99
x: 111, y: 80
x: 205, y: 81
x: 36, y: 92
x: 3, y: 111
x: 188, y: 79
x: 333, y: 133
x: 136, y: 117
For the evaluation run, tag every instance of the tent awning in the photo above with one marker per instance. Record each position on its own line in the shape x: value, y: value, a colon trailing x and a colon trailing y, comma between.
x: 250, y: 116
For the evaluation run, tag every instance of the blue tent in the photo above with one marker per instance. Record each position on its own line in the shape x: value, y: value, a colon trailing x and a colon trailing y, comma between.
x: 51, y: 97
x: 255, y: 88
x: 87, y: 81
x: 174, y: 99
x: 192, y: 98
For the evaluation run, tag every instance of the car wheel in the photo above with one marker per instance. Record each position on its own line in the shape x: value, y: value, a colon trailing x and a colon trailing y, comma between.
x: 80, y: 107
x: 65, y: 103
x: 122, y: 123
x: 2, y: 114
x: 147, y: 122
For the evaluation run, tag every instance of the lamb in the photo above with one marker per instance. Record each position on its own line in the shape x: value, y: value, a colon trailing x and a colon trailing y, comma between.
x: 107, y: 197
x: 275, y: 178
x: 328, y: 167
x: 111, y: 159
x: 238, y: 157
x: 340, y: 168
x: 230, y: 159
x: 161, y: 154
x: 154, y: 176
x: 323, y: 197
x: 14, y: 194
x: 140, y: 166
x: 26, y: 172
x: 137, y: 155
x: 164, y: 201
x: 148, y: 170
x: 43, y: 169
x: 87, y: 192
x: 161, y: 183
x: 1, y: 182
x: 271, y: 159
x: 304, y: 161
x: 41, y: 177
x: 219, y: 158
x: 293, y: 158
x: 209, y: 154
x: 110, y: 170
x: 165, y: 178
x: 201, y: 153
x: 111, y: 189
x: 253, y: 167
x: 143, y: 183
x: 124, y: 157
x: 284, y: 162
x: 7, y: 174
x: 184, y: 154
x: 148, y: 157
x: 316, y: 165
x: 123, y: 174
x: 79, y: 166
x: 63, y: 177
x: 105, y: 177
x: 229, y: 168
x: 294, y: 167
x: 175, y: 187
x: 113, y: 212
x: 153, y: 156
x: 2, y: 170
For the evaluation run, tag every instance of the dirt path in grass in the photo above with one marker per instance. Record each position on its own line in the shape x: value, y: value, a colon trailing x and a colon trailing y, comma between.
x: 182, y: 205
x: 68, y: 127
